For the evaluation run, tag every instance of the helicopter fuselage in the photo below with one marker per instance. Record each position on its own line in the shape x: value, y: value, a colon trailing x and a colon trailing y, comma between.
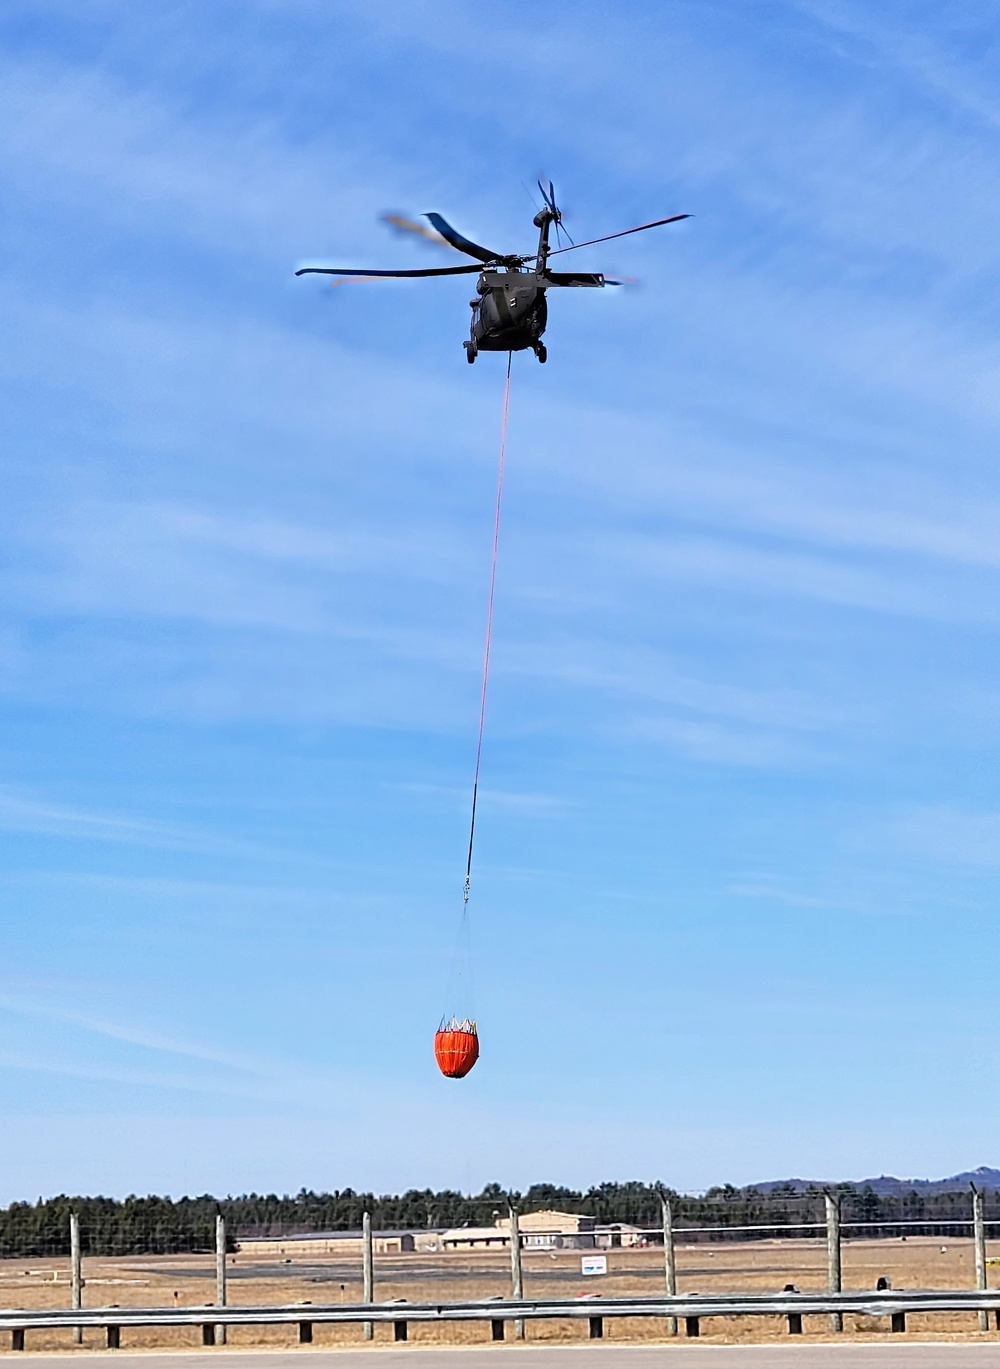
x: 509, y: 312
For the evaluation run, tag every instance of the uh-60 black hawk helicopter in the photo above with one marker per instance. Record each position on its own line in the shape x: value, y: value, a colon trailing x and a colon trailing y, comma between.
x: 509, y: 312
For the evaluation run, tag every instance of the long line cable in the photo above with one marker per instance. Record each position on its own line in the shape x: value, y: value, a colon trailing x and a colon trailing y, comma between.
x: 489, y: 631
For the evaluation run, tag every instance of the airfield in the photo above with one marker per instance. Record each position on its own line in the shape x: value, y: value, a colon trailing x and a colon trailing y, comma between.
x: 758, y: 1267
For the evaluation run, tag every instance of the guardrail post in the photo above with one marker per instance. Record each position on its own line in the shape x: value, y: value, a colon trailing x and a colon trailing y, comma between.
x: 306, y: 1327
x: 516, y: 1280
x: 833, y: 1264
x: 17, y: 1338
x: 597, y: 1328
x: 75, y: 1273
x: 368, y: 1268
x: 692, y: 1326
x: 114, y: 1338
x: 207, y: 1333
x: 220, y: 1273
x: 979, y: 1237
x: 399, y: 1330
x: 795, y: 1323
x: 669, y: 1259
x: 497, y: 1328
x: 899, y: 1321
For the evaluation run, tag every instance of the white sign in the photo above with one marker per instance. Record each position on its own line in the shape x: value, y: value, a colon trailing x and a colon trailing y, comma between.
x: 594, y: 1264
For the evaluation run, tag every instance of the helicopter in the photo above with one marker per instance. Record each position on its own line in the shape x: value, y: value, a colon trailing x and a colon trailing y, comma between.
x: 510, y: 310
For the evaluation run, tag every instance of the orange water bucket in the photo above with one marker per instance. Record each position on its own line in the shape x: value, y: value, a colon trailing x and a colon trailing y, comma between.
x: 456, y: 1047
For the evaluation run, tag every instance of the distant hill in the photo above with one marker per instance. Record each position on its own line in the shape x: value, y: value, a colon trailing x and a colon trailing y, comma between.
x: 887, y: 1186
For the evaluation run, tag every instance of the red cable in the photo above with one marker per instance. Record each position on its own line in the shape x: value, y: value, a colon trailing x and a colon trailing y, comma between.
x: 489, y: 625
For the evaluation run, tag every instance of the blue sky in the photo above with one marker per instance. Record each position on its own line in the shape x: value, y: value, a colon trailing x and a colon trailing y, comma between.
x: 736, y: 883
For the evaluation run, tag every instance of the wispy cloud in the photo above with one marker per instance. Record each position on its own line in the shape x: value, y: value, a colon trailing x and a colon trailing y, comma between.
x: 151, y: 1041
x: 228, y: 1072
x: 717, y: 744
x: 920, y: 51
x: 530, y: 805
x: 201, y: 564
x: 950, y: 834
x: 22, y: 813
x: 773, y: 891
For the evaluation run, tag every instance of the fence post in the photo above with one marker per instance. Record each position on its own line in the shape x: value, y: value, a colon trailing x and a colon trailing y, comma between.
x: 368, y: 1268
x: 834, y: 1281
x: 669, y: 1258
x: 75, y: 1273
x: 516, y: 1281
x: 979, y: 1236
x: 220, y: 1273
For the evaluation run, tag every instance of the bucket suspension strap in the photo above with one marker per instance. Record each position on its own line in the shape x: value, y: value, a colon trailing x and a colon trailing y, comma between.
x: 489, y: 629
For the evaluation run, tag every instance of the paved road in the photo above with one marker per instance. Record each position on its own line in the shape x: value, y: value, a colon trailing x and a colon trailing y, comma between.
x: 888, y: 1355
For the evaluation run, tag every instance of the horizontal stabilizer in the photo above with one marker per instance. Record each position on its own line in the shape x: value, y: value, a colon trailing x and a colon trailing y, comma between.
x: 575, y: 278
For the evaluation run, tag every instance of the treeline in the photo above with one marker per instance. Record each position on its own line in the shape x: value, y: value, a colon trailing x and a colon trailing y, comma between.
x: 634, y: 1203
x: 135, y: 1226
x: 153, y: 1225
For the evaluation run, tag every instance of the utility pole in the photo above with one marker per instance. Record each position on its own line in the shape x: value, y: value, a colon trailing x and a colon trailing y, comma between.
x: 220, y: 1273
x: 516, y: 1280
x: 368, y: 1268
x: 979, y: 1237
x: 75, y: 1273
x: 669, y: 1258
x: 833, y: 1267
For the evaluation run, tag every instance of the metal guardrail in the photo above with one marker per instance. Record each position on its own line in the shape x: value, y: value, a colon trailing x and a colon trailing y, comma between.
x: 895, y: 1304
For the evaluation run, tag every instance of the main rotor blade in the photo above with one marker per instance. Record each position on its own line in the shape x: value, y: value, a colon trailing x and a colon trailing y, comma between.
x: 471, y: 249
x: 549, y: 196
x: 674, y: 218
x: 402, y: 224
x: 393, y: 275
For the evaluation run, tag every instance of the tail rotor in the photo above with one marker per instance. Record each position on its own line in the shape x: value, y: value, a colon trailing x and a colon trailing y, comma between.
x: 548, y: 193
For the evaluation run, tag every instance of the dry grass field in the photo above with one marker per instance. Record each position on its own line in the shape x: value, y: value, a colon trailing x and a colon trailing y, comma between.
x: 763, y: 1266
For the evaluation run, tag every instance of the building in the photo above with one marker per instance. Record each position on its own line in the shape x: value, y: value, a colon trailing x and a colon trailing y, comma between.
x: 543, y: 1231
x: 310, y: 1244
x: 557, y: 1231
x: 539, y: 1231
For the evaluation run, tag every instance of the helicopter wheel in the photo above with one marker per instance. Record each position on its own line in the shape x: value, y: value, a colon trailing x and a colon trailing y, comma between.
x: 541, y: 353
x: 470, y: 352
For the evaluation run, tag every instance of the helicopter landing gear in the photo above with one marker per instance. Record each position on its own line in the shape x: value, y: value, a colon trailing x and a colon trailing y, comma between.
x: 471, y: 351
x: 541, y: 352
